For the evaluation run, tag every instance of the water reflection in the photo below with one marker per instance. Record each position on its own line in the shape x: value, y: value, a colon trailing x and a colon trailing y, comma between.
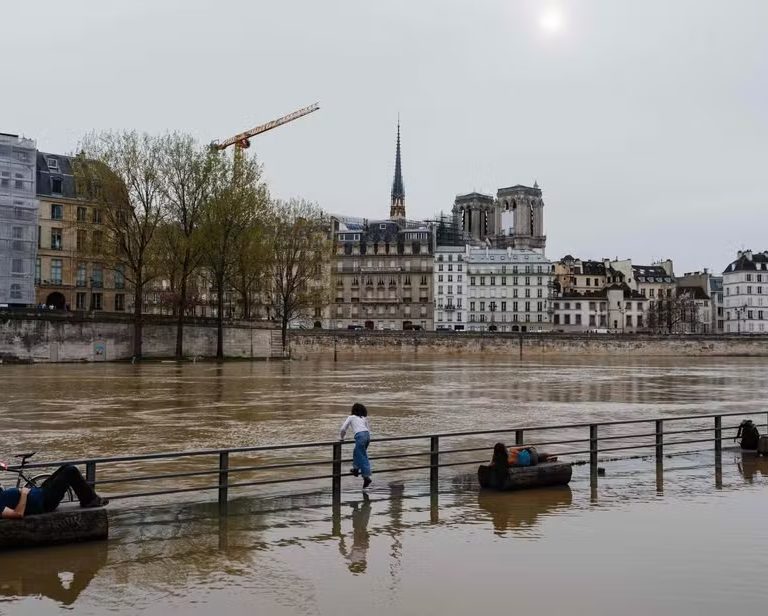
x: 357, y: 555
x: 515, y: 511
x: 751, y: 465
x: 60, y: 574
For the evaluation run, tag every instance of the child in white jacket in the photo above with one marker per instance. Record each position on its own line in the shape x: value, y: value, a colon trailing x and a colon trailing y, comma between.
x: 358, y: 423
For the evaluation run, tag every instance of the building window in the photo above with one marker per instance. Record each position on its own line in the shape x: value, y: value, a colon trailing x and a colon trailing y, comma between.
x: 97, y: 241
x: 53, y: 164
x: 97, y: 216
x: 96, y: 301
x: 80, y: 301
x: 57, y: 211
x: 56, y: 243
x: 15, y: 291
x: 119, y: 277
x: 120, y: 303
x: 56, y: 271
x: 97, y: 277
x: 17, y: 266
x: 56, y: 186
x: 82, y: 238
x: 81, y: 279
x: 82, y: 214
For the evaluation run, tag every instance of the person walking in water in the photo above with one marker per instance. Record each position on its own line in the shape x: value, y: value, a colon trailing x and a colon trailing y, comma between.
x: 358, y: 423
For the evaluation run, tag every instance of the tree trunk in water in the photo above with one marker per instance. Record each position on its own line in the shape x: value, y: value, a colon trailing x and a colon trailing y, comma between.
x: 138, y: 301
x: 180, y: 319
x: 220, y: 316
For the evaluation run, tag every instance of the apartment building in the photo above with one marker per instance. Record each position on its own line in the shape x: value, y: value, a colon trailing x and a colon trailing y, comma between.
x: 18, y: 215
x: 615, y: 309
x: 745, y: 282
x: 507, y: 290
x: 71, y: 272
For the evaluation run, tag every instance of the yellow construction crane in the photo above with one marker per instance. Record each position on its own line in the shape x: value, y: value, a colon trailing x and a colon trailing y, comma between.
x: 242, y: 140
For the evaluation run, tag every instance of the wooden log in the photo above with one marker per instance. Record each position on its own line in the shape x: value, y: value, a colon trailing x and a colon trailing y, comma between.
x: 68, y: 524
x: 525, y: 477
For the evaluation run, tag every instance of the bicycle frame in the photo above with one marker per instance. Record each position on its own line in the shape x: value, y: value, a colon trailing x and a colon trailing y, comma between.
x: 20, y: 476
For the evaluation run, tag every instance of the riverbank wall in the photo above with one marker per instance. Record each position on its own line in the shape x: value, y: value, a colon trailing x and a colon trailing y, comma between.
x: 304, y: 344
x: 72, y: 337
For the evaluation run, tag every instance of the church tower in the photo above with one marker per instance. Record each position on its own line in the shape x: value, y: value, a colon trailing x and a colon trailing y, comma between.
x: 397, y: 208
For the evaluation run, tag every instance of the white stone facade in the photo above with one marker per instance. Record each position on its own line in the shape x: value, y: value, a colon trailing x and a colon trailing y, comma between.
x: 745, y: 286
x: 614, y: 309
x: 492, y: 289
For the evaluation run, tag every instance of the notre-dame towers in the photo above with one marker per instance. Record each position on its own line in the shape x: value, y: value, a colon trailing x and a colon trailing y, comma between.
x: 515, y: 218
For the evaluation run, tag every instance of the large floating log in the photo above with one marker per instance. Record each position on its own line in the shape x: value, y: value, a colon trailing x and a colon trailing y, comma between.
x: 525, y: 477
x: 68, y: 524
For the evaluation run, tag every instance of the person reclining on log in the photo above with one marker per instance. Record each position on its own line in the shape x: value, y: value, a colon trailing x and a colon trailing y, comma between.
x: 504, y: 458
x: 15, y: 503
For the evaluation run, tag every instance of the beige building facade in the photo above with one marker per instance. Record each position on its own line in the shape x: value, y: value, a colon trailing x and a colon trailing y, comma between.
x: 381, y: 276
x: 70, y: 271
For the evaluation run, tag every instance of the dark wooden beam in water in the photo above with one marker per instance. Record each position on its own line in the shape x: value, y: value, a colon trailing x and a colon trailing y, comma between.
x: 68, y: 524
x: 525, y: 477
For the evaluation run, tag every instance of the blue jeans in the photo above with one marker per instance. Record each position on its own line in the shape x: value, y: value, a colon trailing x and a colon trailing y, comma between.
x: 360, y: 455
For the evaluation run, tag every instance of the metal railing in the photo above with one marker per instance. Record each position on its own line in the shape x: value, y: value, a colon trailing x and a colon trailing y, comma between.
x: 434, y: 458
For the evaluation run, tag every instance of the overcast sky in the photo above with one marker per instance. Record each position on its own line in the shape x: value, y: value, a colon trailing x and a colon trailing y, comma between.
x: 644, y: 122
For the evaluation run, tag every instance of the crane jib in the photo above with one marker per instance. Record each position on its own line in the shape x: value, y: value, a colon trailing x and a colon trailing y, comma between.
x: 243, y: 137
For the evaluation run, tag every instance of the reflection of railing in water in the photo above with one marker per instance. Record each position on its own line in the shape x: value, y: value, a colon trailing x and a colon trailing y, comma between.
x: 435, y: 455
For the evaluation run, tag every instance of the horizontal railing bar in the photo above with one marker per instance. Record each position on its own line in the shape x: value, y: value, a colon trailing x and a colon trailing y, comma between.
x: 624, y: 436
x: 231, y: 469
x: 260, y: 448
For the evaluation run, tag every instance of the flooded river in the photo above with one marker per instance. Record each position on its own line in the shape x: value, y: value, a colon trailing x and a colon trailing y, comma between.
x: 685, y: 540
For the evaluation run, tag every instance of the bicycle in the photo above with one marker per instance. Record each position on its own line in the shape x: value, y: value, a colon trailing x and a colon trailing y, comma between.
x: 35, y: 481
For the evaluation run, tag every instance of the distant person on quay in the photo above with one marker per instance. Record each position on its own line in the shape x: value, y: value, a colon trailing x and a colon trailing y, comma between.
x: 358, y: 423
x: 15, y: 503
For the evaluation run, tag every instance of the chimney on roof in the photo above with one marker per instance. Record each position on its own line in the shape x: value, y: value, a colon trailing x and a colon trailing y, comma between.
x: 748, y: 254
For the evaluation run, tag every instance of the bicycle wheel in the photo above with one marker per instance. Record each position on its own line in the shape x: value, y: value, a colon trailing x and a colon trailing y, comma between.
x: 37, y: 482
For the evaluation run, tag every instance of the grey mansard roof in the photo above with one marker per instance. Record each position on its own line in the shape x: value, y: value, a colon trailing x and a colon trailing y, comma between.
x: 64, y: 172
x: 749, y: 262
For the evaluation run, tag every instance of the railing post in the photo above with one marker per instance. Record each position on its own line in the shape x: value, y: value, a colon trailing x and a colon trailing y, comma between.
x: 718, y: 434
x: 90, y: 473
x: 593, y: 450
x: 659, y: 439
x: 434, y: 462
x: 519, y: 437
x: 336, y: 472
x: 223, y: 478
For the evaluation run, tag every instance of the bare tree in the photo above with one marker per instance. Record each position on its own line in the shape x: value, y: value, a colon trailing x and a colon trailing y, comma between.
x: 189, y: 174
x: 237, y: 202
x: 300, y: 249
x: 121, y: 172
x: 250, y: 275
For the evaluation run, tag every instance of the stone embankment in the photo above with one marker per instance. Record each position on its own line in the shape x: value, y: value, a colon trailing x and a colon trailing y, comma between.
x: 306, y: 343
x: 72, y: 337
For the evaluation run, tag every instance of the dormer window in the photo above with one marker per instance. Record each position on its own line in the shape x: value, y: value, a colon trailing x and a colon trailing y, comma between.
x: 56, y: 186
x: 53, y: 164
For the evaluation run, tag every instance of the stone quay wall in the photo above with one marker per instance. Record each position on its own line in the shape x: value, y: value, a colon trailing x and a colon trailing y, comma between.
x: 308, y: 343
x: 69, y: 337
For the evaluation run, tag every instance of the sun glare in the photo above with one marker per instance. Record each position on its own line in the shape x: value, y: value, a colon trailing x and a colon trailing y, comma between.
x: 551, y: 20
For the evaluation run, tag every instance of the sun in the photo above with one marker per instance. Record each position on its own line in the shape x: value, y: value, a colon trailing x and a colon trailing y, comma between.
x: 551, y: 20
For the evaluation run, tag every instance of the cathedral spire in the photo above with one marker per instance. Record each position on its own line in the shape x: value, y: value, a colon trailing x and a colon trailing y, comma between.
x: 397, y: 209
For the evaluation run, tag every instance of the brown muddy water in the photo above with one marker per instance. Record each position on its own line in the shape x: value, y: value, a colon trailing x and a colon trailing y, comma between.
x: 688, y: 539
